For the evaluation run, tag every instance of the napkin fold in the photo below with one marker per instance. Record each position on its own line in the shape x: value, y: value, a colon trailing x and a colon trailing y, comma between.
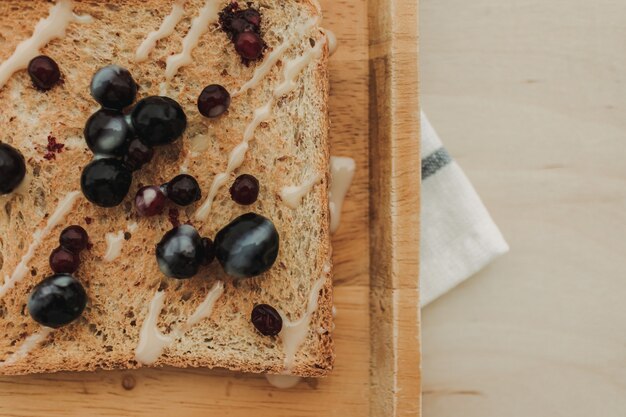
x: 458, y: 236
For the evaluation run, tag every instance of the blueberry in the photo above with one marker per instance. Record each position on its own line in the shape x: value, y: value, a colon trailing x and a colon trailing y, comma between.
x: 213, y: 101
x: 149, y: 201
x: 44, y: 72
x: 74, y: 238
x: 57, y: 300
x: 245, y: 189
x: 107, y: 133
x: 249, y: 45
x: 12, y: 168
x: 158, y: 120
x: 113, y: 87
x: 266, y: 320
x: 247, y: 246
x: 180, y: 252
x: 137, y: 155
x: 63, y: 260
x: 183, y: 190
x: 105, y: 182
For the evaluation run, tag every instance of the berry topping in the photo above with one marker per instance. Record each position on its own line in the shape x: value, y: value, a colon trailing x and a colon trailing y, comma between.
x: 12, y: 168
x: 213, y: 101
x: 183, y: 190
x: 158, y: 120
x: 208, y: 251
x: 63, y: 260
x: 106, y: 132
x: 57, y: 300
x: 113, y: 87
x: 105, y: 182
x: 180, y: 252
x: 249, y: 45
x: 74, y: 238
x: 251, y: 16
x: 44, y: 72
x: 247, y: 246
x: 150, y: 201
x: 137, y: 155
x: 266, y: 320
x: 245, y: 189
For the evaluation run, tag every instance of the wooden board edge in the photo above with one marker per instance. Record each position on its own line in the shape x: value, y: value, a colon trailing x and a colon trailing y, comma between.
x: 395, y: 169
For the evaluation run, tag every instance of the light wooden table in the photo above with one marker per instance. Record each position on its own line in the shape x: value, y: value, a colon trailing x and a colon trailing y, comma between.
x: 530, y: 97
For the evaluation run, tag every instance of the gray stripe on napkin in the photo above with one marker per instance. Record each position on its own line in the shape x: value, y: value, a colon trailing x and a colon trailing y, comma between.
x: 434, y: 162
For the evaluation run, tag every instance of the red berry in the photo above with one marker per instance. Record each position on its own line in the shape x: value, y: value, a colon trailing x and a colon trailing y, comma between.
x: 213, y: 101
x: 44, y: 72
x: 150, y: 201
x: 74, y: 238
x: 64, y: 261
x: 245, y: 189
x: 249, y: 45
x: 267, y: 320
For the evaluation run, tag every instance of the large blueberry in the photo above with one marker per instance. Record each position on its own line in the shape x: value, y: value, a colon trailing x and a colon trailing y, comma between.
x: 247, y: 246
x: 158, y: 120
x: 105, y: 182
x: 57, y: 300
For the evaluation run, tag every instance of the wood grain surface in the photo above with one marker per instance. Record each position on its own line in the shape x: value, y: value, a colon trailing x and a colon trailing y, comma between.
x: 348, y: 391
x: 530, y: 97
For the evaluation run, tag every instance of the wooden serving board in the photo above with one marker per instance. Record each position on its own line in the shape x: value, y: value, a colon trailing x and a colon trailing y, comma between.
x: 375, y: 119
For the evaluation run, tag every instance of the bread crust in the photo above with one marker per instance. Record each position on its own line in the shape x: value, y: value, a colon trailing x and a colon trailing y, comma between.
x: 287, y: 149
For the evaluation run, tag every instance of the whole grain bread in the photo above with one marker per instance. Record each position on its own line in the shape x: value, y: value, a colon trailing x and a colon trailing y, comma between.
x: 287, y: 149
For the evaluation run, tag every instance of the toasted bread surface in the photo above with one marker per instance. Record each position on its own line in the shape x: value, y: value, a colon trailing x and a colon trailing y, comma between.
x: 287, y: 149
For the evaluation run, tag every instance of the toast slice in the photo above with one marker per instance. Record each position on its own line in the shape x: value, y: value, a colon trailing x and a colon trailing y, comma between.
x: 288, y: 147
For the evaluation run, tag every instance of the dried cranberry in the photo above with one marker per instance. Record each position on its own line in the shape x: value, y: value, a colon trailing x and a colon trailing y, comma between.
x: 266, y: 320
x: 213, y: 101
x: 249, y: 45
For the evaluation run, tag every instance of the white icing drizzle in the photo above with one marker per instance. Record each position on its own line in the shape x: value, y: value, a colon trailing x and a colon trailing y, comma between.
x: 272, y: 58
x: 332, y: 41
x: 52, y: 27
x: 152, y: 342
x: 163, y: 89
x: 166, y: 29
x: 199, y: 25
x: 293, y: 194
x: 283, y: 381
x: 63, y: 208
x: 261, y: 114
x: 341, y: 174
x: 294, y: 333
x: 132, y: 227
x: 115, y: 241
x: 29, y: 344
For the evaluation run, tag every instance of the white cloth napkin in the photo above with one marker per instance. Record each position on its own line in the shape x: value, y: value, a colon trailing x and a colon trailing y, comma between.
x: 458, y: 236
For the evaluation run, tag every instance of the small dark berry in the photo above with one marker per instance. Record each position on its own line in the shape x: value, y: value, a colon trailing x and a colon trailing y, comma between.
x: 213, y: 101
x: 208, y: 251
x: 180, y: 253
x: 266, y: 320
x: 245, y: 189
x: 74, y: 238
x: 137, y: 155
x: 150, y: 201
x: 12, y: 168
x: 249, y: 45
x: 252, y: 16
x: 44, y: 72
x: 183, y: 190
x: 113, y: 87
x: 64, y: 260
